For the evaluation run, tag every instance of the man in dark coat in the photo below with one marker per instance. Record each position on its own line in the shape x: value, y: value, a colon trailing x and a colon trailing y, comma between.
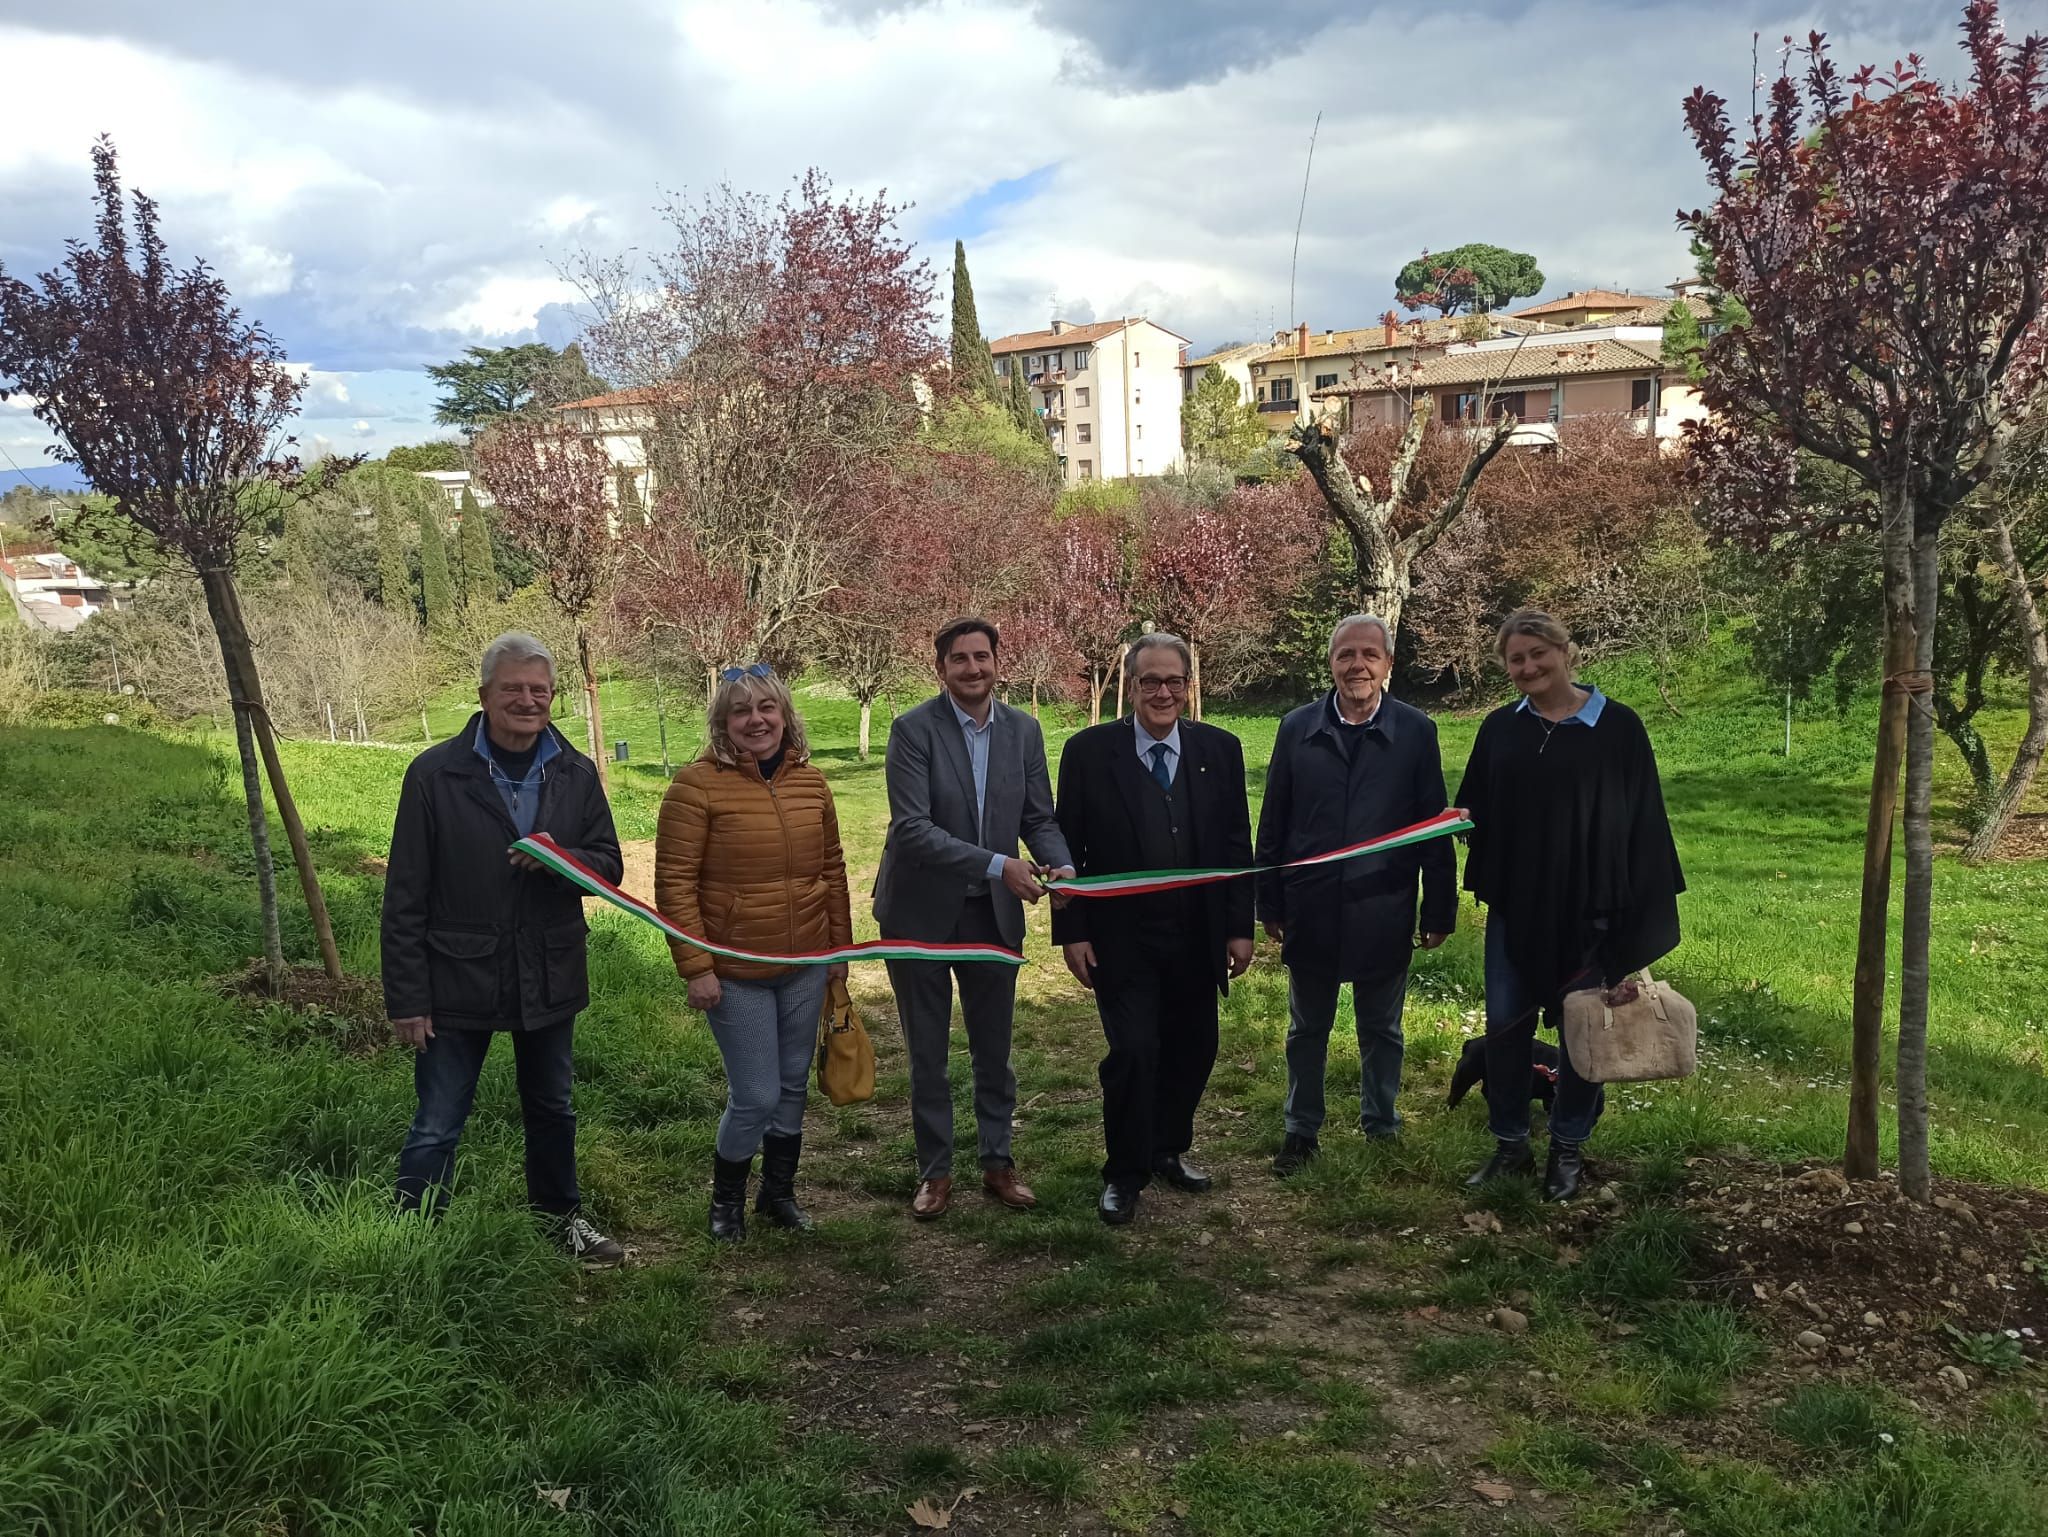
x: 477, y: 940
x: 1155, y: 792
x: 1352, y: 766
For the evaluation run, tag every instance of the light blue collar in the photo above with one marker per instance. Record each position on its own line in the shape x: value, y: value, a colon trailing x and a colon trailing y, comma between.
x: 1587, y: 714
x: 967, y: 722
x: 1147, y: 741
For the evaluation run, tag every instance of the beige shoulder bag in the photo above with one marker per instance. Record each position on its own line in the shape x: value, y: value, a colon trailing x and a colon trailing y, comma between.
x: 1655, y: 1036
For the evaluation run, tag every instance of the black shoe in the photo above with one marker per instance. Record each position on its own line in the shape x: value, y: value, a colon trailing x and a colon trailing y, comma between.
x: 1509, y: 1160
x: 729, y: 1197
x: 1564, y: 1170
x: 1182, y: 1175
x: 777, y: 1200
x: 1295, y: 1154
x: 1119, y: 1203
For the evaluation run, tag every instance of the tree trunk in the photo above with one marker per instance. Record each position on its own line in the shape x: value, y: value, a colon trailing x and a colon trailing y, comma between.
x: 1034, y: 699
x: 259, y: 840
x: 1119, y: 686
x: 1094, y: 694
x: 1917, y: 927
x: 245, y: 688
x: 594, y: 718
x: 1859, y: 1159
x: 2026, y: 763
x: 1959, y: 724
x: 867, y: 717
x: 1383, y: 563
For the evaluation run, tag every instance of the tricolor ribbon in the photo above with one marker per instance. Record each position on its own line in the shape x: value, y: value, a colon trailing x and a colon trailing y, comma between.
x: 573, y: 870
x: 1130, y: 883
x: 1136, y: 882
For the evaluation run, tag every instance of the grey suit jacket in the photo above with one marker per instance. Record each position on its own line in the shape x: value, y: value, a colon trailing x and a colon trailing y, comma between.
x: 935, y: 852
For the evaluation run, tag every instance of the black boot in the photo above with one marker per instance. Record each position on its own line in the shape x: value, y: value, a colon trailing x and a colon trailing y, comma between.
x: 1564, y: 1170
x: 777, y: 1200
x: 1509, y: 1159
x: 1296, y: 1154
x: 729, y: 1197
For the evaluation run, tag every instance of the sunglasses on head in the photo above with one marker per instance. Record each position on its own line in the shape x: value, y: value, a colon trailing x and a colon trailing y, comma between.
x: 734, y: 674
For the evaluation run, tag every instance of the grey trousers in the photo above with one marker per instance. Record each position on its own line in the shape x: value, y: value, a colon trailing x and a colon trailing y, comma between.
x: 766, y: 1032
x: 988, y: 997
x: 1311, y: 1011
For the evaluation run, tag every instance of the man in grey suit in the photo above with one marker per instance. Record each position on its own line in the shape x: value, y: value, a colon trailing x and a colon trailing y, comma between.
x: 966, y: 778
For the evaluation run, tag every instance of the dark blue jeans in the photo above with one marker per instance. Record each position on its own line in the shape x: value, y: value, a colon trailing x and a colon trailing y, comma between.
x: 1311, y: 1012
x: 444, y: 1076
x: 1511, y: 1010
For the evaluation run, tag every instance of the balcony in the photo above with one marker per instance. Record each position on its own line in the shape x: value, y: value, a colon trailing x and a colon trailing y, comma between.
x: 1048, y: 376
x: 1287, y: 406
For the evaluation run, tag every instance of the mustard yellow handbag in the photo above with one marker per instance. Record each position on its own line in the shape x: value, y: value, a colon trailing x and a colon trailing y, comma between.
x: 846, y: 1057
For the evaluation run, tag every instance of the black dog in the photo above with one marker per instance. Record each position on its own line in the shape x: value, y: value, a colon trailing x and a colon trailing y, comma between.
x: 1472, y: 1070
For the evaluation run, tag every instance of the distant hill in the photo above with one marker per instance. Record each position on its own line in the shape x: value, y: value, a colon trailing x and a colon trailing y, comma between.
x: 55, y: 477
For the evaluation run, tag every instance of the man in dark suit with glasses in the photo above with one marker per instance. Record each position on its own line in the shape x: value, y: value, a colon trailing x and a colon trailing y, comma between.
x: 1155, y: 792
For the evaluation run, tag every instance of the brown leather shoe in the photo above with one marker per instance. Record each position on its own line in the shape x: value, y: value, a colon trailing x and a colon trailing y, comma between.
x: 932, y: 1198
x: 1004, y: 1185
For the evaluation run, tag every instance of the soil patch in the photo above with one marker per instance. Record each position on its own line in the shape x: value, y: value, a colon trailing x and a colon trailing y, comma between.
x: 2026, y: 837
x: 1876, y: 1277
x: 348, y: 1012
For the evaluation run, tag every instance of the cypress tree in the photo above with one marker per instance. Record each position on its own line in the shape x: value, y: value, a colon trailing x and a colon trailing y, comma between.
x: 436, y: 589
x: 974, y: 369
x: 1019, y: 402
x: 479, y: 565
x: 394, y: 585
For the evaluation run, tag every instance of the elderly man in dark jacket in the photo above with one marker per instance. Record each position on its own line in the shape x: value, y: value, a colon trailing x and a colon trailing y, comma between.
x: 1352, y: 766
x: 479, y: 940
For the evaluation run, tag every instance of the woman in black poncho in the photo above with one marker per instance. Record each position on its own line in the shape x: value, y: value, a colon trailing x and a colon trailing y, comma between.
x: 1571, y: 854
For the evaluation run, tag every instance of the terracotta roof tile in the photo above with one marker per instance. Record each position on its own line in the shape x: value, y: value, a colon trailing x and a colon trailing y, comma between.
x: 644, y: 395
x: 1047, y: 341
x: 1522, y: 365
x: 1587, y: 298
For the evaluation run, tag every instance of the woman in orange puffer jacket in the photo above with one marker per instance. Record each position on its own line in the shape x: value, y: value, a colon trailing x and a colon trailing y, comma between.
x: 747, y: 855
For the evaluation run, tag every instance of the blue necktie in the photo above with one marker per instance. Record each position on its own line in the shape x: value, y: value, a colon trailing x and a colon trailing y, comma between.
x: 1160, y: 771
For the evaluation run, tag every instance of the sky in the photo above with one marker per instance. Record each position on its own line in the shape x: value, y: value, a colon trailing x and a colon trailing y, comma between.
x: 383, y: 184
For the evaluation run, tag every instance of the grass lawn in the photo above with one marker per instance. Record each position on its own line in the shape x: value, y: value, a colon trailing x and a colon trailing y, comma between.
x: 210, y: 1323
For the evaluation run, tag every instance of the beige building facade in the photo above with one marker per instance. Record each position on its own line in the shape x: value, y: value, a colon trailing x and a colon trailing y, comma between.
x: 1108, y: 393
x: 1615, y: 371
x: 1234, y: 361
x: 1301, y: 365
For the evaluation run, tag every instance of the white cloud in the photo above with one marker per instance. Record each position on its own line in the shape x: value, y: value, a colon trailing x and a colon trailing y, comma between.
x: 362, y: 429
x: 326, y: 394
x: 377, y: 207
x: 255, y: 271
x: 506, y: 302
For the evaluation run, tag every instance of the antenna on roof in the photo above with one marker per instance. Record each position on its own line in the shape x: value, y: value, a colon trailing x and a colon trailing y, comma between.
x: 1295, y: 261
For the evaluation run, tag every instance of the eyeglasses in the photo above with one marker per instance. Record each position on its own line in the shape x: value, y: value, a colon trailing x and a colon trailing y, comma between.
x: 734, y: 674
x: 1163, y: 685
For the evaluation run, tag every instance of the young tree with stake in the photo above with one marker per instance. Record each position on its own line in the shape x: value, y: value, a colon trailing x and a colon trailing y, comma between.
x: 1888, y: 240
x: 173, y: 407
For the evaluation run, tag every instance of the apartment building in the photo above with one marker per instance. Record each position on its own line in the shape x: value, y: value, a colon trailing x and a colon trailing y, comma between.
x: 1108, y: 392
x: 1235, y: 361
x: 1302, y: 364
x: 1612, y: 371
